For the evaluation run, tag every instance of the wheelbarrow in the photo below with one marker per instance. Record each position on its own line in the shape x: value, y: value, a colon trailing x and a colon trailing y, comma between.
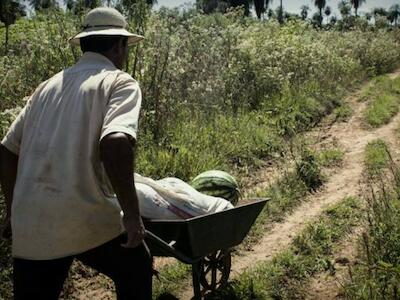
x: 205, y: 242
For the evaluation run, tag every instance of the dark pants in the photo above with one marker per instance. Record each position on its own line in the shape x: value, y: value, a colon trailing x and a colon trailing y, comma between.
x: 129, y: 268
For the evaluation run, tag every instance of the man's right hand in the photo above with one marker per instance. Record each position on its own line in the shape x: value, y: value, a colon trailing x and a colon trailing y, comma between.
x: 5, y: 228
x: 135, y: 230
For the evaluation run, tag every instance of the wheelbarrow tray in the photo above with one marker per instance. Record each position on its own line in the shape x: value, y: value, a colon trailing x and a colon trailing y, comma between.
x: 199, y: 236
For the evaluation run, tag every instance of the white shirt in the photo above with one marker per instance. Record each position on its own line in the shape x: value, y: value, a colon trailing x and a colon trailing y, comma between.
x: 63, y: 201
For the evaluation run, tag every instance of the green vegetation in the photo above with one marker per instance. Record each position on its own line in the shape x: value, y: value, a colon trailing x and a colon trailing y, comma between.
x: 343, y: 112
x: 308, y: 170
x: 330, y: 157
x: 172, y: 278
x: 384, y: 96
x: 310, y: 253
x: 376, y: 158
x: 197, y: 145
x: 377, y: 276
x: 382, y: 110
x: 375, y: 88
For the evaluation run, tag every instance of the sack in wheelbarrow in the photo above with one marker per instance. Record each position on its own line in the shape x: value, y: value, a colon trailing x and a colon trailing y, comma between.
x: 173, y: 199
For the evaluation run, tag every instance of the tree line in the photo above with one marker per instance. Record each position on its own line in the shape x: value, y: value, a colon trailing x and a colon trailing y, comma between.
x: 11, y: 10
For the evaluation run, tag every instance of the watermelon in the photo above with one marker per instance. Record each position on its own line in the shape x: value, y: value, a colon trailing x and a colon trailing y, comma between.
x: 218, y: 184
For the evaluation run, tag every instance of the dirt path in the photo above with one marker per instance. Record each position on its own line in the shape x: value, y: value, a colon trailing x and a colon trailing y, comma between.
x: 352, y: 137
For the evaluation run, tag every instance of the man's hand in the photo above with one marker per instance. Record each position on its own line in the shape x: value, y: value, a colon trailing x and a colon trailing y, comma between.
x: 135, y: 229
x: 5, y: 228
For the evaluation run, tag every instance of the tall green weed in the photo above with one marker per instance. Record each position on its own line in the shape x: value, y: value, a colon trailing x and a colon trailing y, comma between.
x: 383, y: 95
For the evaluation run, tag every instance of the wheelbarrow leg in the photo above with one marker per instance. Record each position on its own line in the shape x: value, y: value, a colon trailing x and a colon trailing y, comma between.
x: 196, y: 280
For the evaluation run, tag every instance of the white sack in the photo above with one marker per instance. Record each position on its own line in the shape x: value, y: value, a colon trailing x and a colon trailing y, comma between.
x: 172, y: 198
x: 151, y: 204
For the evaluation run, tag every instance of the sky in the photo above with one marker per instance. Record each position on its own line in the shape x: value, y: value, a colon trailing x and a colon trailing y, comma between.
x: 293, y: 6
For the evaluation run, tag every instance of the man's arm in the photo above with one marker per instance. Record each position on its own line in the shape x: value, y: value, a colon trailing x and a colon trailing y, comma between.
x: 8, y: 176
x: 116, y: 152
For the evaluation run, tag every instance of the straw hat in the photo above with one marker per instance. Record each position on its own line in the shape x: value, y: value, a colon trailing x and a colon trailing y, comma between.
x: 105, y: 21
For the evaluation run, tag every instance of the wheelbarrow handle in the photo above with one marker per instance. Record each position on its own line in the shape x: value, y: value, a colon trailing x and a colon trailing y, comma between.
x: 170, y: 249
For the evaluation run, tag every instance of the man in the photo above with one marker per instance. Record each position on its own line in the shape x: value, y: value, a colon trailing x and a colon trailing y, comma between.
x: 63, y: 158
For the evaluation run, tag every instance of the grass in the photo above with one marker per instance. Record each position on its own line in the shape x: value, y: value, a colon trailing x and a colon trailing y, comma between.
x: 223, y: 143
x: 311, y: 252
x: 331, y: 157
x: 343, y: 112
x: 378, y: 275
x: 172, y: 278
x: 384, y: 100
x: 376, y: 157
x: 375, y: 87
x: 382, y: 110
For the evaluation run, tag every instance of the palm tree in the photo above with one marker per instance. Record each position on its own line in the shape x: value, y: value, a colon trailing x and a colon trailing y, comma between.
x: 261, y: 6
x: 379, y: 11
x: 328, y: 11
x: 207, y: 6
x: 356, y: 4
x: 244, y: 3
x: 320, y: 4
x: 380, y: 16
x: 70, y: 4
x: 344, y: 8
x: 304, y: 12
x: 280, y: 13
x: 271, y: 14
x: 316, y: 19
x: 42, y: 4
x: 10, y: 11
x: 394, y: 14
x: 78, y: 6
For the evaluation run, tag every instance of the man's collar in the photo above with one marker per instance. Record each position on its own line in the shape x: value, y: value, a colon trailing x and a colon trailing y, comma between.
x: 95, y: 58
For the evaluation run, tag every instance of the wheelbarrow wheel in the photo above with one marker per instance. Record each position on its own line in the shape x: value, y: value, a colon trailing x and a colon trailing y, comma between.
x: 214, y: 270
